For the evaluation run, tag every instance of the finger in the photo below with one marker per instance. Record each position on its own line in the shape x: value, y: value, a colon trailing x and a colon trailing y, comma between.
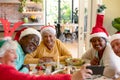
x: 89, y: 71
x: 88, y: 76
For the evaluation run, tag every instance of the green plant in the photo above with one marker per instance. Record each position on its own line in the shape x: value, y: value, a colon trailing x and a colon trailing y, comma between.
x: 23, y: 4
x: 37, y: 1
x: 116, y: 23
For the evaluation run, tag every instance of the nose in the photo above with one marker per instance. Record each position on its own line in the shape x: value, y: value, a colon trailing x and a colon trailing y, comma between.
x: 48, y: 37
x: 96, y: 42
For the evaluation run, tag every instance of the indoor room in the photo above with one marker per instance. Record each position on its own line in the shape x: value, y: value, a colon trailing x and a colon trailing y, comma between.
x: 68, y: 37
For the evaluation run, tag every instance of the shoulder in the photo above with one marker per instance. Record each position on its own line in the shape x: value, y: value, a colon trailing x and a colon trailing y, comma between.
x: 57, y: 41
x: 108, y: 48
x: 108, y: 45
x: 41, y: 44
x: 6, y: 67
x: 92, y: 50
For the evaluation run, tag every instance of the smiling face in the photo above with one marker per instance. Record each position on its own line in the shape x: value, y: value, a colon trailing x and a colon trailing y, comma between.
x: 9, y: 57
x: 116, y: 46
x: 48, y: 39
x: 98, y: 43
x: 29, y: 43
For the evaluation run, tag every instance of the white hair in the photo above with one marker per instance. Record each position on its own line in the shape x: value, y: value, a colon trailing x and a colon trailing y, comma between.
x: 8, y: 45
x: 49, y: 30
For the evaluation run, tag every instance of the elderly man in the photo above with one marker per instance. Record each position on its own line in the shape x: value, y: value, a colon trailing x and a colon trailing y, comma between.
x: 29, y: 39
x: 7, y: 60
x: 50, y: 48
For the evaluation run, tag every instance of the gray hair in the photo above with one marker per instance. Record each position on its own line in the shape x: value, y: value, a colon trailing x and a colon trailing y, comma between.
x: 48, y: 29
x: 8, y: 45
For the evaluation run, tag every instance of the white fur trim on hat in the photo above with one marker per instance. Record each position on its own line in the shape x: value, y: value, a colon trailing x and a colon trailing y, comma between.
x: 99, y: 34
x: 7, y: 38
x: 51, y: 29
x: 30, y: 31
x: 113, y: 37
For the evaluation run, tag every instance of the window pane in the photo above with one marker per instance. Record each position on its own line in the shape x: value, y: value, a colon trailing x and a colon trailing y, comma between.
x: 52, y: 11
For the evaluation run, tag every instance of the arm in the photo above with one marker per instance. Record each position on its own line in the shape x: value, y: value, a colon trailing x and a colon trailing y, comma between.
x: 117, y: 78
x: 20, y: 57
x: 111, y: 62
x: 55, y: 77
x: 10, y: 73
x: 30, y: 58
x: 82, y: 74
x: 20, y: 60
x: 88, y: 55
x: 64, y: 52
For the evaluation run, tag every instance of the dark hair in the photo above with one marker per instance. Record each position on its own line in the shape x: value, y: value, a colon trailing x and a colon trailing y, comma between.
x: 100, y: 37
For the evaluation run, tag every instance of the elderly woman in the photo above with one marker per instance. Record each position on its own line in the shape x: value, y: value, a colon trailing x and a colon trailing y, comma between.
x: 50, y: 48
x: 20, y: 57
x: 98, y: 39
x: 115, y: 43
x: 7, y: 60
x: 100, y: 53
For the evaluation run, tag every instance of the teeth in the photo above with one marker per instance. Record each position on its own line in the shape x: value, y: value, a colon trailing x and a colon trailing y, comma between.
x: 97, y: 46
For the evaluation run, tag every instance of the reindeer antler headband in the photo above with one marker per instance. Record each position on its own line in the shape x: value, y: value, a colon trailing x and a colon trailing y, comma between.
x: 8, y: 31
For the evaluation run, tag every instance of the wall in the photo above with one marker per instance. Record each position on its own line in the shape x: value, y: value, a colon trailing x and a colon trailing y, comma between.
x: 111, y: 12
x: 10, y: 11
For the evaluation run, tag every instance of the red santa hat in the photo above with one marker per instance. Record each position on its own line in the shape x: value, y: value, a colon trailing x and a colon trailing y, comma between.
x: 115, y: 36
x: 18, y: 34
x: 48, y: 28
x: 98, y: 30
x: 26, y: 31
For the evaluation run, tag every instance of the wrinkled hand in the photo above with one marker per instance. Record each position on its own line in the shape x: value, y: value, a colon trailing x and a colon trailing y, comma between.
x: 94, y: 61
x: 82, y: 74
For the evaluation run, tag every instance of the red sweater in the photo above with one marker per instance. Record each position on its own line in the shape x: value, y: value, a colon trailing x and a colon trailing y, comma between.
x: 10, y: 73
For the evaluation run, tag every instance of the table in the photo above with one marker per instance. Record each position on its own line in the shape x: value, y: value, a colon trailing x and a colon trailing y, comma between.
x: 94, y: 77
x: 52, y: 70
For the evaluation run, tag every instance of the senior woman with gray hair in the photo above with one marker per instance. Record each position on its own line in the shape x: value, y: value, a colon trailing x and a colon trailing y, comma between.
x: 8, y: 48
x: 49, y: 49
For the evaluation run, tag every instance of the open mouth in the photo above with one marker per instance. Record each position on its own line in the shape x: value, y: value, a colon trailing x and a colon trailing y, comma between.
x: 97, y: 46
